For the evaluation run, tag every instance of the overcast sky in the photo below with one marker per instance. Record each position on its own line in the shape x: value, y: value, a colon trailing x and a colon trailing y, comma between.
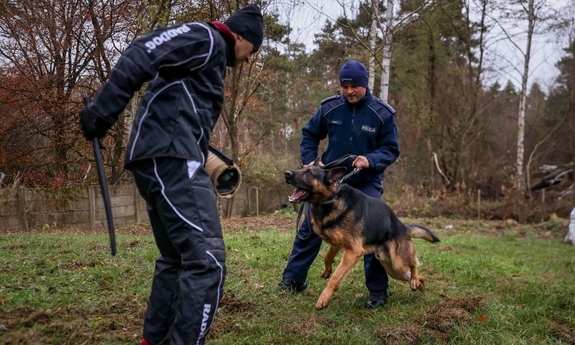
x: 309, y: 16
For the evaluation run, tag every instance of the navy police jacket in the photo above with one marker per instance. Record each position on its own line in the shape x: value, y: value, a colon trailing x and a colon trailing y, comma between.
x: 185, y: 67
x: 366, y: 128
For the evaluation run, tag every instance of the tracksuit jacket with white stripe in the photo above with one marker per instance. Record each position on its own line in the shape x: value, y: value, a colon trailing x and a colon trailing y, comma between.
x: 185, y: 66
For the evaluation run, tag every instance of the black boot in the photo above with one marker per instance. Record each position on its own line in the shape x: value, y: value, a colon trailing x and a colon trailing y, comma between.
x: 376, y: 299
x: 291, y: 286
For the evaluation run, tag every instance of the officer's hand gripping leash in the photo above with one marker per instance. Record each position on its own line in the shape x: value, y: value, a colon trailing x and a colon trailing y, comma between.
x: 103, y: 187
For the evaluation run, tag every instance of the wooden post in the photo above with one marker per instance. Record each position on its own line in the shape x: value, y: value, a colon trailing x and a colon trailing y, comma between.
x: 21, y: 195
x: 92, y: 206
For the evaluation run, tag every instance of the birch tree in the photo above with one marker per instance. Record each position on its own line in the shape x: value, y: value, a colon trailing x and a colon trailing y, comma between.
x: 519, y: 180
x: 538, y: 18
x: 372, y: 42
x: 380, y: 48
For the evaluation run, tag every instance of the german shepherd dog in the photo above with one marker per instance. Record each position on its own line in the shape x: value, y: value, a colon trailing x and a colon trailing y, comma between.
x: 358, y: 224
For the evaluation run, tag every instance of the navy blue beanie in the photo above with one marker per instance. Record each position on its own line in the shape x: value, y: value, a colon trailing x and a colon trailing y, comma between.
x: 248, y: 23
x: 353, y: 72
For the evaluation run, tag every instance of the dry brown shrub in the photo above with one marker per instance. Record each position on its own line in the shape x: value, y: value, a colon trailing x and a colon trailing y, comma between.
x: 465, y: 204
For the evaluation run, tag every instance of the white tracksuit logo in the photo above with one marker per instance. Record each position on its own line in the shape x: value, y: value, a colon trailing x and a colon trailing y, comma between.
x: 207, y: 308
x: 165, y: 36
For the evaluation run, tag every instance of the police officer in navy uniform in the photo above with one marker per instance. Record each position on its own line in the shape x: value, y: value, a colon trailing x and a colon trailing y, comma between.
x: 185, y: 67
x: 357, y: 123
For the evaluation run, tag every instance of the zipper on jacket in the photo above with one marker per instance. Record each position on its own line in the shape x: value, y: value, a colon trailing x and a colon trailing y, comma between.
x: 351, y: 130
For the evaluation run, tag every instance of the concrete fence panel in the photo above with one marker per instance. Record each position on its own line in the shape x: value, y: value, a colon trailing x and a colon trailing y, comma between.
x: 23, y: 209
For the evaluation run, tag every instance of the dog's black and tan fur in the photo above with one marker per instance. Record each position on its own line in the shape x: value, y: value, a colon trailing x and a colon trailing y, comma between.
x: 357, y: 224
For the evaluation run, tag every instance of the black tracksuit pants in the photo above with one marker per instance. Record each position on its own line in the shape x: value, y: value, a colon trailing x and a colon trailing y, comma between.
x: 189, y: 274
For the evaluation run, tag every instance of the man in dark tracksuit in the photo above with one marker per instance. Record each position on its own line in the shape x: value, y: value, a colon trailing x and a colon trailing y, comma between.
x: 356, y: 123
x: 185, y: 66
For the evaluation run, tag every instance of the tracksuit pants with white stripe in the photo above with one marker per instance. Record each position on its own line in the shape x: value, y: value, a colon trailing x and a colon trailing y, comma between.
x: 189, y: 274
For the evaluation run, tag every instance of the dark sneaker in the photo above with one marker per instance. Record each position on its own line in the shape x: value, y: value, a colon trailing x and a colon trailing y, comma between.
x: 291, y: 286
x: 376, y: 299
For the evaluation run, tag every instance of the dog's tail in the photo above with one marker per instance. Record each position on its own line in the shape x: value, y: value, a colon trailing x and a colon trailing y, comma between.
x: 419, y: 231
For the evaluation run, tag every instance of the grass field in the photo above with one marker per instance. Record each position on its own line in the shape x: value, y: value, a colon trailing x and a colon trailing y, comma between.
x: 487, y: 283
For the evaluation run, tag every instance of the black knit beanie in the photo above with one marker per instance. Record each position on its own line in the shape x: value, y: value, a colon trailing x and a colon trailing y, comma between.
x: 353, y: 72
x: 248, y: 23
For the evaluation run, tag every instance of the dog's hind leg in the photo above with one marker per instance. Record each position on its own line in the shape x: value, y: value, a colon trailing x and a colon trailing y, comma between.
x: 404, y: 263
x: 329, y: 260
x: 349, y: 259
x: 416, y: 282
x: 421, y: 286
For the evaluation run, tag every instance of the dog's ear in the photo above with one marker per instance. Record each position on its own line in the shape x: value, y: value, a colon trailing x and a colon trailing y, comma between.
x: 336, y: 173
x: 316, y: 162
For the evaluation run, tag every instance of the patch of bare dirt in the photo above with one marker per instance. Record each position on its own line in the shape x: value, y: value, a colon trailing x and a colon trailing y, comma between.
x: 77, y: 264
x: 230, y: 307
x: 28, y: 326
x: 563, y: 333
x: 39, y: 318
x: 271, y: 221
x: 411, y: 334
x: 279, y: 222
x: 15, y: 326
x: 437, y: 323
x: 451, y: 312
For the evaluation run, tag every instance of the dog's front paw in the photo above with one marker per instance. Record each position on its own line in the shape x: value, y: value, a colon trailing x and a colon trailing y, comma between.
x: 326, y: 273
x: 321, y: 304
x: 324, y: 299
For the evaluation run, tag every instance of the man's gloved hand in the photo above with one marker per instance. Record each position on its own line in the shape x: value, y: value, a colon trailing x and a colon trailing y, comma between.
x: 92, y: 125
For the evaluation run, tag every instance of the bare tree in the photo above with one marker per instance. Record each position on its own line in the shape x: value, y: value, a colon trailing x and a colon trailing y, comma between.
x: 386, y: 58
x: 40, y: 49
x: 372, y: 42
x: 380, y: 51
x: 519, y: 179
x: 539, y: 17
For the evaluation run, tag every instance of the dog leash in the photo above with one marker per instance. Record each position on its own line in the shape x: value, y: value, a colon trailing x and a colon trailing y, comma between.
x: 345, y: 177
x: 305, y: 205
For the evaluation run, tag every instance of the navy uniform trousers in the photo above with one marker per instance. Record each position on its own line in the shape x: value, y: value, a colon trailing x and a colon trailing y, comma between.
x: 189, y: 274
x: 307, y: 244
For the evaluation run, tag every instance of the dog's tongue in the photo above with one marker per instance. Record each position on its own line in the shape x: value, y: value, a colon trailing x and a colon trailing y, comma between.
x: 297, y: 195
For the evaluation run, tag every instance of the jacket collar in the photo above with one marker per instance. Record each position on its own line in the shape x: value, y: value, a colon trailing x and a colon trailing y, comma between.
x: 229, y: 39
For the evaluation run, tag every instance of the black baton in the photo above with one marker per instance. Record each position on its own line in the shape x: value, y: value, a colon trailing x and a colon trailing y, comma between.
x: 103, y: 187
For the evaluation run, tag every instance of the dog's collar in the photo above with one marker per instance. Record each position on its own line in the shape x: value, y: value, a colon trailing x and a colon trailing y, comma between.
x: 331, y: 200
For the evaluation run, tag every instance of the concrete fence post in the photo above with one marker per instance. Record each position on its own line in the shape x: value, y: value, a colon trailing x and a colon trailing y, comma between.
x: 136, y: 205
x: 21, y: 195
x: 92, y: 206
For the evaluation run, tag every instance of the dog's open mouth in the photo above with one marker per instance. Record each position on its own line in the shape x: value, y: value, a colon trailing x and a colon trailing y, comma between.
x: 298, y: 195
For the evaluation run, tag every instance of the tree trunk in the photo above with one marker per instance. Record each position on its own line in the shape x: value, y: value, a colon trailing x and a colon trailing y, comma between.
x: 519, y: 179
x: 386, y: 61
x: 372, y: 39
